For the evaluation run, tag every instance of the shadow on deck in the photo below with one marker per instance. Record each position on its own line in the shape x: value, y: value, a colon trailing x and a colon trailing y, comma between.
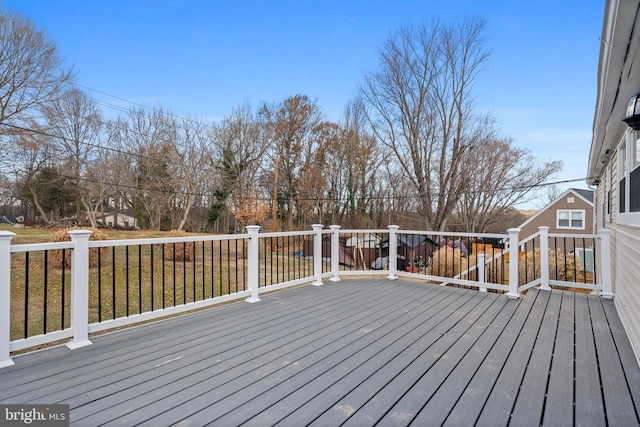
x: 357, y: 352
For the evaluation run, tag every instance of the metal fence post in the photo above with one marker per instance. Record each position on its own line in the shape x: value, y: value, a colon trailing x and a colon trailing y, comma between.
x: 393, y: 252
x: 5, y: 298
x: 513, y: 262
x: 480, y: 264
x: 335, y: 253
x: 605, y: 261
x: 544, y: 258
x: 80, y: 288
x: 253, y: 262
x: 317, y: 254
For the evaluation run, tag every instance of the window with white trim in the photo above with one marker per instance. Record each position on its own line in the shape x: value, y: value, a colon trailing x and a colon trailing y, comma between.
x: 629, y: 179
x: 570, y: 219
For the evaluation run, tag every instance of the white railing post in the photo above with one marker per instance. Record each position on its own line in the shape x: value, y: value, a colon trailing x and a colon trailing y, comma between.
x: 335, y: 253
x: 253, y: 262
x: 605, y: 261
x: 513, y: 262
x: 5, y: 298
x: 480, y: 265
x: 544, y: 258
x: 393, y: 252
x: 317, y: 254
x: 80, y: 288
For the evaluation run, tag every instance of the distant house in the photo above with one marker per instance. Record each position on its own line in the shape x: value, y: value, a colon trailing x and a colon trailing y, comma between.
x: 122, y: 221
x: 614, y: 158
x: 572, y: 213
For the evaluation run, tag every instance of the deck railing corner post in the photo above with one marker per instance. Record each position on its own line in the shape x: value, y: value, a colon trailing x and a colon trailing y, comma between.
x: 544, y: 258
x: 335, y: 253
x: 514, y: 254
x: 80, y: 288
x: 317, y: 254
x: 605, y: 261
x: 253, y: 262
x: 5, y: 298
x: 393, y: 252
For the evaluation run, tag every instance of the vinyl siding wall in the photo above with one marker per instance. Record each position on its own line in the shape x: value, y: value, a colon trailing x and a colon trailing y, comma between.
x: 625, y: 248
x: 625, y: 253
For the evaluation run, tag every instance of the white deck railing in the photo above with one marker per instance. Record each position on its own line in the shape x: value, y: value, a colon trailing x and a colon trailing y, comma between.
x: 269, y: 263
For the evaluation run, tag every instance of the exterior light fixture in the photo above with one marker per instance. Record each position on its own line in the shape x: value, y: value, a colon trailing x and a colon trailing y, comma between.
x: 632, y: 115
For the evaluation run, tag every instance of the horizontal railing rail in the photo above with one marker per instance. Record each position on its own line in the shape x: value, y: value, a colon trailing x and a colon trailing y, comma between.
x: 69, y: 290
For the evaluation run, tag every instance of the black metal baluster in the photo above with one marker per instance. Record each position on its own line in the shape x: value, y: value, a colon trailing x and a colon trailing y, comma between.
x: 26, y: 294
x: 184, y: 272
x: 228, y: 267
x: 46, y: 291
x: 236, y: 268
x: 113, y: 281
x: 244, y: 268
x: 220, y: 264
x: 595, y: 257
x: 99, y: 283
x: 204, y: 281
x: 126, y: 254
x: 195, y: 254
x: 164, y: 291
x: 174, y: 273
x: 152, y: 276
x: 63, y: 300
x: 212, y: 270
x: 139, y: 279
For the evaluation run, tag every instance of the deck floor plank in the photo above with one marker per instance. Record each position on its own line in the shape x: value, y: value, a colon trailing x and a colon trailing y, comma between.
x: 143, y: 356
x: 560, y: 395
x: 625, y: 351
x: 467, y: 332
x: 529, y: 405
x: 471, y: 402
x: 441, y: 404
x: 293, y: 340
x: 311, y: 366
x: 502, y: 398
x: 354, y: 352
x: 617, y: 397
x: 409, y: 343
x: 589, y: 406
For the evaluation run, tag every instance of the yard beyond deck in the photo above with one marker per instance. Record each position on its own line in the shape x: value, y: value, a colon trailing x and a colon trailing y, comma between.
x: 357, y: 352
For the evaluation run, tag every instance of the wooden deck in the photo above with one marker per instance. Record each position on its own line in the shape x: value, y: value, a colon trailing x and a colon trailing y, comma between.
x: 355, y: 352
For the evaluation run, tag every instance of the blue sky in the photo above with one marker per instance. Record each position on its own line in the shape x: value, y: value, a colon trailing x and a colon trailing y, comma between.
x: 203, y: 57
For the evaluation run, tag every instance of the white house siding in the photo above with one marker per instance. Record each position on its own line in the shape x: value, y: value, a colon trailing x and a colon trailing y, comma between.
x: 625, y: 243
x: 618, y: 80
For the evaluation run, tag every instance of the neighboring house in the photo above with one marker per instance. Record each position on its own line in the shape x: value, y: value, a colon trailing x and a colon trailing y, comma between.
x: 614, y: 160
x: 572, y: 213
x: 123, y: 221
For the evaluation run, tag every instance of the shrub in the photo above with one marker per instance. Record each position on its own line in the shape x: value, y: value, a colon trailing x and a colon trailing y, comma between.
x: 55, y: 257
x: 179, y: 251
x: 449, y: 262
x: 561, y: 266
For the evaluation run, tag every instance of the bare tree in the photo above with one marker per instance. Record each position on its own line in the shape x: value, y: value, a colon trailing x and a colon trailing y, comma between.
x: 31, y: 70
x: 75, y: 121
x: 497, y: 176
x: 551, y: 193
x: 239, y: 147
x: 289, y: 125
x: 419, y: 103
x: 32, y: 152
x: 192, y: 154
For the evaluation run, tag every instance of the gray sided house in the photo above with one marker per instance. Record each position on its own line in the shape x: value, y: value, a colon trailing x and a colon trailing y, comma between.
x: 614, y: 159
x: 570, y: 213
